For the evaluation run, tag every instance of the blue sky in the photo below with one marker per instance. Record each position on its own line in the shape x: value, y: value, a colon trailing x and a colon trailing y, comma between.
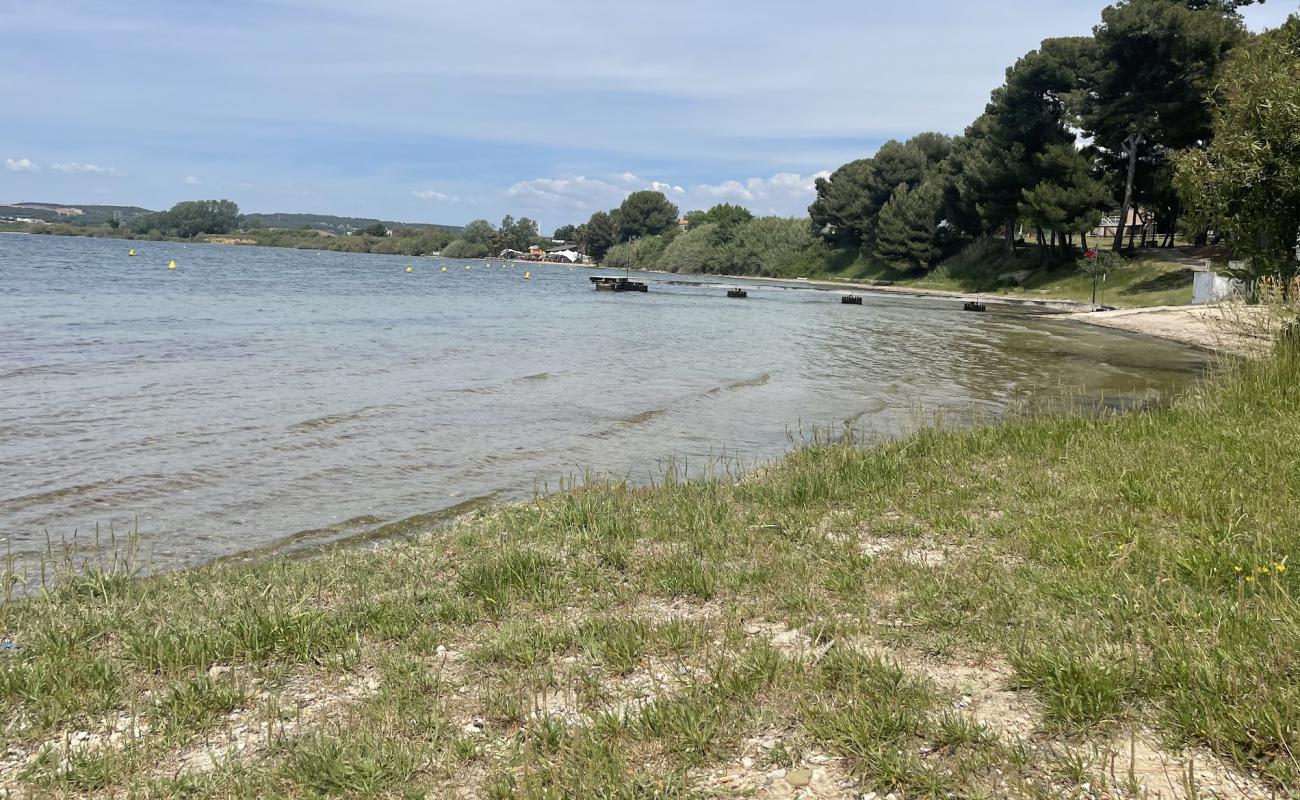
x: 440, y: 112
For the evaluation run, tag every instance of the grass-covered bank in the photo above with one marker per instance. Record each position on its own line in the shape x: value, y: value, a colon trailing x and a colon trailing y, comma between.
x: 1074, y: 605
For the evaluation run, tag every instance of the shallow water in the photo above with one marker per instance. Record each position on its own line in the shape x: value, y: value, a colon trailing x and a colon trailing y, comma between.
x: 253, y: 394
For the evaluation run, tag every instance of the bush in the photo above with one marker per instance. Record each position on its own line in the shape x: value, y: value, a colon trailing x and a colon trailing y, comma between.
x: 463, y: 249
x: 693, y: 251
x: 644, y: 253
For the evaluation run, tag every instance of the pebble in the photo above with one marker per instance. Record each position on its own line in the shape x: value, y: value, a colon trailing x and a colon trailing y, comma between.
x: 799, y: 777
x: 747, y: 762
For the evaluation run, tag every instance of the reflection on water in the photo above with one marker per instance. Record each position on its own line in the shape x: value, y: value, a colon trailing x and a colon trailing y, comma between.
x: 254, y: 394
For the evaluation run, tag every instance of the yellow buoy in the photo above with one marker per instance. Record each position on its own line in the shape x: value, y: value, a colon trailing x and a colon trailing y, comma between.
x: 171, y: 264
x: 528, y: 276
x: 467, y: 266
x: 444, y: 269
x: 410, y: 269
x: 132, y: 252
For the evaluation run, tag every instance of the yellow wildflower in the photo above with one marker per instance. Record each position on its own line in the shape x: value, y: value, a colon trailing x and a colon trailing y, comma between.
x: 1280, y: 567
x: 1250, y: 579
x: 1238, y: 568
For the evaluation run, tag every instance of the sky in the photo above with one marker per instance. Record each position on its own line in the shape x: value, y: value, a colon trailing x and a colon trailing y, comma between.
x: 443, y: 112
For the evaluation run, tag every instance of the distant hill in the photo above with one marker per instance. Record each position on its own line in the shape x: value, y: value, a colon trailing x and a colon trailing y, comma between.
x: 75, y: 215
x: 326, y: 222
x: 98, y: 215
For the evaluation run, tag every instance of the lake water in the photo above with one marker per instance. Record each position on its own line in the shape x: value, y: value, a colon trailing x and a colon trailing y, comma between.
x: 253, y: 394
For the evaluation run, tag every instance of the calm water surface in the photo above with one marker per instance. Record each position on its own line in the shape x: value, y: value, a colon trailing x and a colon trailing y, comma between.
x: 253, y: 393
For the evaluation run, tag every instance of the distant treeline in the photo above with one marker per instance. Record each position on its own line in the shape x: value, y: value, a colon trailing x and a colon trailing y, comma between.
x: 221, y: 221
x: 334, y: 224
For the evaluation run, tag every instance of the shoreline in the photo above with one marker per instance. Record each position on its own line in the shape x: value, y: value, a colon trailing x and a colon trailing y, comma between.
x: 1218, y: 329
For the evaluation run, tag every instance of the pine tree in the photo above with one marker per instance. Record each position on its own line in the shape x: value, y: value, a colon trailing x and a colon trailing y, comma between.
x: 907, y: 231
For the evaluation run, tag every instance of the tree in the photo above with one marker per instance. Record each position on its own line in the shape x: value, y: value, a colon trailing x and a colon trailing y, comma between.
x: 721, y: 214
x: 598, y: 235
x: 908, y: 229
x: 848, y: 203
x: 725, y: 219
x: 191, y: 218
x: 514, y: 234
x: 566, y: 233
x: 1025, y: 117
x: 1247, y: 182
x: 1151, y: 66
x: 960, y: 206
x: 843, y: 210
x: 1068, y: 199
x: 374, y: 229
x: 479, y: 231
x: 525, y: 232
x: 645, y: 213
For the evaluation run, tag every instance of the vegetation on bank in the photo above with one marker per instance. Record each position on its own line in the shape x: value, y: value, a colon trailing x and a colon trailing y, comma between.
x: 220, y: 221
x: 1037, y: 608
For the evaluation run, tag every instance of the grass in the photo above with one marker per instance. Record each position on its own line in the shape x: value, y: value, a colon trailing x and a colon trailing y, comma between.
x: 1146, y: 281
x: 1152, y: 277
x: 1101, y: 575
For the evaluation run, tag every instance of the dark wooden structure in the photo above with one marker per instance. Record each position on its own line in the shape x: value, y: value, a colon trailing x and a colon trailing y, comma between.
x: 973, y: 305
x: 851, y: 300
x: 617, y: 284
x: 737, y: 292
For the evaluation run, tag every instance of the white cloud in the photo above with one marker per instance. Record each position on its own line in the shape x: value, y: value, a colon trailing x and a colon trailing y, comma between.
x: 73, y: 166
x: 435, y: 195
x: 21, y: 165
x: 569, y: 194
x: 785, y: 193
x: 190, y: 180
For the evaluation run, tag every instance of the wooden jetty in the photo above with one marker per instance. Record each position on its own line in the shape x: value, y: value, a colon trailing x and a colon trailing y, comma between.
x: 605, y: 284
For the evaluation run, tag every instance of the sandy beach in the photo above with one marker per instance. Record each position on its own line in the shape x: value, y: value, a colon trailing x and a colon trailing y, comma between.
x: 1227, y: 328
